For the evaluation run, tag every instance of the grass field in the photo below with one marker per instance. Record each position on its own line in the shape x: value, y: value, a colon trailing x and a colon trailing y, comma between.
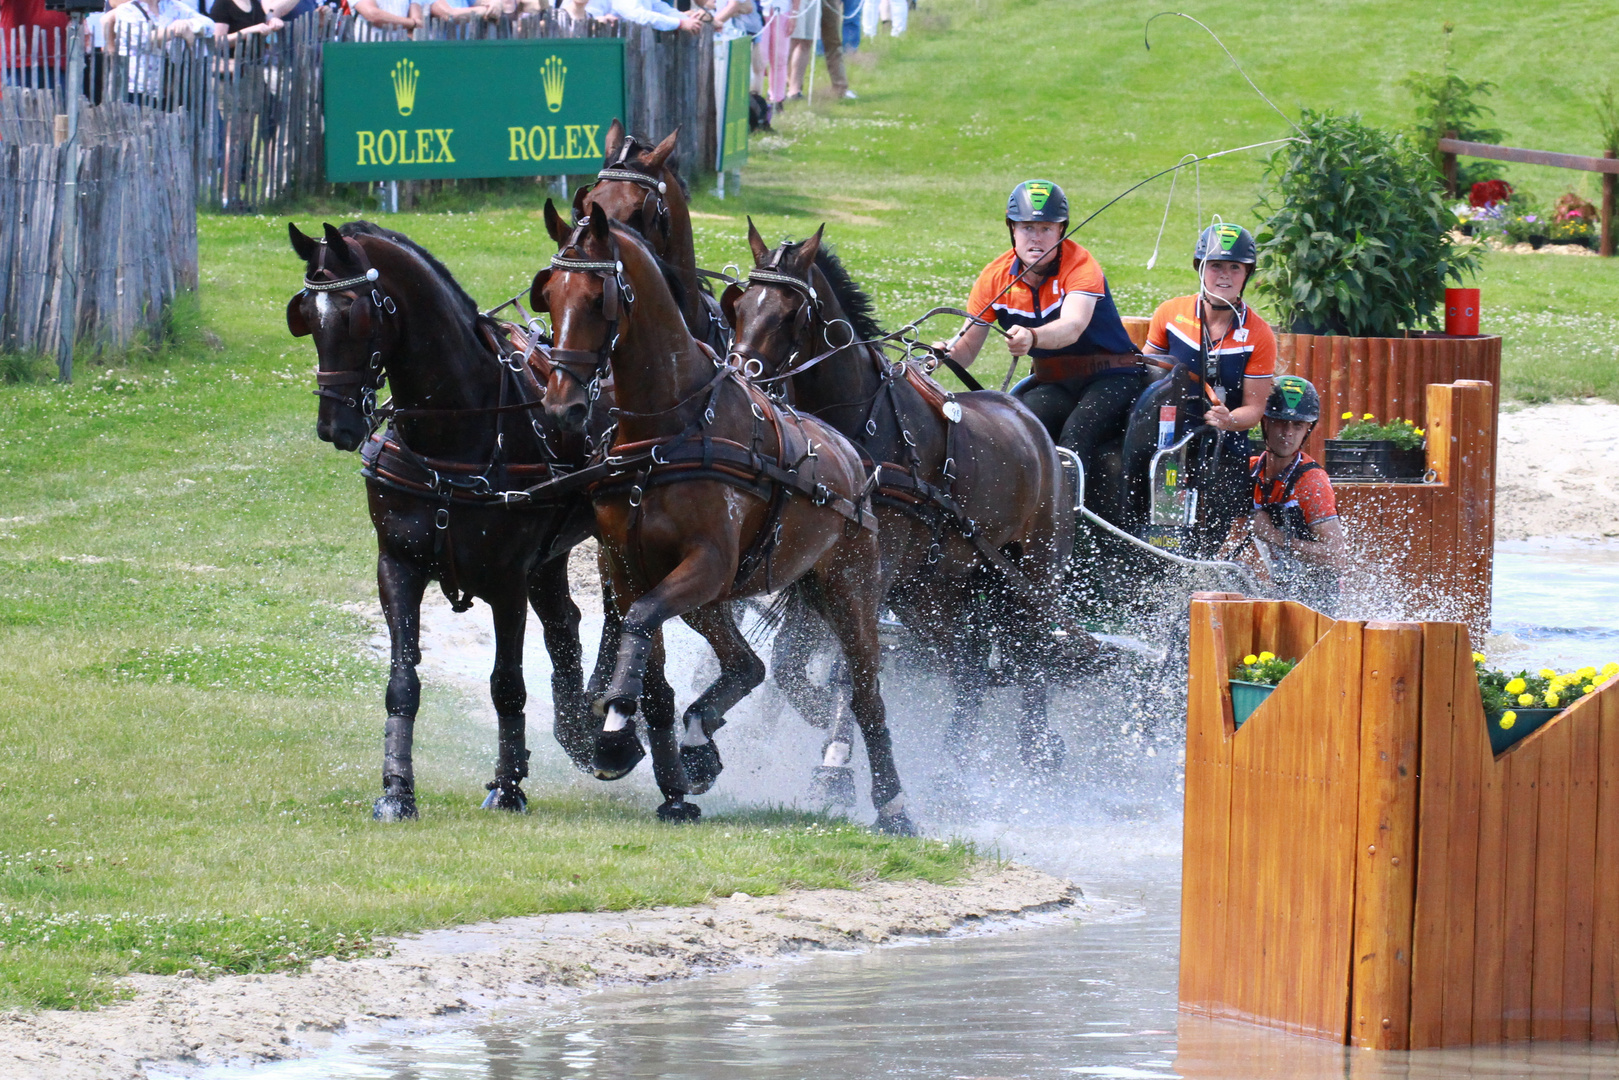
x: 189, y: 728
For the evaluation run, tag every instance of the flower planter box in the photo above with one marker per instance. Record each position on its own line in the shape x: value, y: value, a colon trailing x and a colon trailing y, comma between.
x: 1378, y: 459
x: 1246, y: 697
x: 1527, y: 722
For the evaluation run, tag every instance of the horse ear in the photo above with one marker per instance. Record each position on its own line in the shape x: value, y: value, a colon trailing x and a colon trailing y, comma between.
x: 305, y: 246
x: 728, y: 300
x: 295, y: 310
x: 615, y: 140
x: 360, y: 319
x: 579, y: 198
x: 554, y: 223
x: 662, y: 152
x: 536, y: 292
x: 761, y: 250
x: 599, y: 227
x: 809, y: 249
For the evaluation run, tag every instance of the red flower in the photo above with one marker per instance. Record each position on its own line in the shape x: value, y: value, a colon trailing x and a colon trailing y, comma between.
x: 1487, y: 192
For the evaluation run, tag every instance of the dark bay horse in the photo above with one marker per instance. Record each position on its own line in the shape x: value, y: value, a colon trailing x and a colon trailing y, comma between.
x: 640, y: 186
x: 975, y: 530
x: 710, y: 491
x: 465, y: 426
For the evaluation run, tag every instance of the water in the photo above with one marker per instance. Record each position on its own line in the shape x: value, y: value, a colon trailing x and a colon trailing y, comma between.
x: 1066, y: 999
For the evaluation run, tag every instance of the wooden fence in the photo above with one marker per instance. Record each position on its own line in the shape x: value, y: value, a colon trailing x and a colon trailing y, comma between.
x: 137, y: 227
x: 1359, y: 866
x: 253, y: 110
x: 1607, y: 165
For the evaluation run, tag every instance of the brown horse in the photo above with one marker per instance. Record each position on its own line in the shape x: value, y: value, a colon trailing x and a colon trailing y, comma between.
x: 709, y: 492
x: 970, y: 494
x: 640, y: 186
x: 465, y: 427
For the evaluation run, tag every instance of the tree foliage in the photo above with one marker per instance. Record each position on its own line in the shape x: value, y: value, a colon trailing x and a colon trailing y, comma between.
x: 1447, y: 102
x: 1357, y: 240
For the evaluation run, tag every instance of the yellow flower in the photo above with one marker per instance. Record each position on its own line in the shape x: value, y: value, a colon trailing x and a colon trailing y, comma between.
x: 1516, y: 686
x: 1419, y: 431
x: 1508, y: 718
x: 1478, y: 658
x: 1555, y: 685
x: 1610, y: 669
x: 1349, y: 416
x: 1526, y: 699
x: 1267, y: 656
x: 1368, y: 416
x: 1250, y: 660
x: 1587, y: 672
x: 1590, y: 688
x: 1410, y: 423
x: 1547, y: 673
x: 1552, y: 700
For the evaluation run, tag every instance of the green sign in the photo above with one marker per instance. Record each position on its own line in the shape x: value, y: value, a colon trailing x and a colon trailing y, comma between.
x: 429, y: 110
x: 733, y: 149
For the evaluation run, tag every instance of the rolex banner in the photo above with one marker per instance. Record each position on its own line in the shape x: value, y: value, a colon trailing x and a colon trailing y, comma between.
x: 427, y: 110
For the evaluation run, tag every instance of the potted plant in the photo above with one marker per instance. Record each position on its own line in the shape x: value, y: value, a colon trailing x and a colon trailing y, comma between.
x: 1253, y: 680
x: 1518, y: 704
x: 1365, y: 449
x: 1358, y: 241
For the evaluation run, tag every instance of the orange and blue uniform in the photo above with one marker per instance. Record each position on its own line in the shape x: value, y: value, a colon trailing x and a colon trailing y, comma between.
x: 1297, y: 500
x: 1247, y: 351
x: 1022, y: 304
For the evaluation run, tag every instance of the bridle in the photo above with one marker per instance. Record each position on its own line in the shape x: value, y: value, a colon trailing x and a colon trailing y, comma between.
x: 654, y: 208
x: 806, y: 317
x: 586, y: 367
x: 339, y: 385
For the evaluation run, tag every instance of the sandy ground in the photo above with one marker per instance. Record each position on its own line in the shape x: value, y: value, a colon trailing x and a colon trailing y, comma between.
x: 508, y: 966
x: 1557, y: 467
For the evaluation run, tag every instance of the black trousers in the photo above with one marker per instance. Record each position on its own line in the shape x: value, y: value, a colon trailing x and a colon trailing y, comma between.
x: 1081, y: 413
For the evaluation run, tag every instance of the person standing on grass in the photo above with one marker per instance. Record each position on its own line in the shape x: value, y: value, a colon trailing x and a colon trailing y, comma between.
x: 828, y: 15
x: 1053, y: 300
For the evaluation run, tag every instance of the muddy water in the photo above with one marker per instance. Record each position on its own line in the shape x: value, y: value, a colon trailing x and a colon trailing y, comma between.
x: 1069, y: 998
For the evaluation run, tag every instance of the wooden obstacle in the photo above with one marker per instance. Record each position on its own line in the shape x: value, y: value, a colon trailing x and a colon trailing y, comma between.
x: 1358, y: 866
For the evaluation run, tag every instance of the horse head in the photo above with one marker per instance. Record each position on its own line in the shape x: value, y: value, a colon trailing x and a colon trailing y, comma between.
x: 345, y: 306
x: 639, y: 186
x: 774, y: 316
x: 584, y: 293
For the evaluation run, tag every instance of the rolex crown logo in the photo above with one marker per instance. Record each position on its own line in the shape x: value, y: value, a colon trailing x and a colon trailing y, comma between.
x: 553, y: 74
x: 404, y: 77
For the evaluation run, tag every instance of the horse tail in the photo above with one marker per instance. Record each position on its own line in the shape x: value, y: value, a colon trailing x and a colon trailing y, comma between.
x: 770, y: 617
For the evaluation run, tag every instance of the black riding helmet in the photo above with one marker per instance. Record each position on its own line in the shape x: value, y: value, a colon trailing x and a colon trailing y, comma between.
x: 1037, y: 200
x: 1225, y: 242
x: 1293, y: 398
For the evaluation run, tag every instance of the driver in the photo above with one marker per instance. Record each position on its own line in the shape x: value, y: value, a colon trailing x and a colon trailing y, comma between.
x: 1295, y: 513
x: 1061, y: 315
x: 1219, y: 337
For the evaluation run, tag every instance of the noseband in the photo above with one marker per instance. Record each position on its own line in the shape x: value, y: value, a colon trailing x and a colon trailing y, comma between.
x: 370, y: 378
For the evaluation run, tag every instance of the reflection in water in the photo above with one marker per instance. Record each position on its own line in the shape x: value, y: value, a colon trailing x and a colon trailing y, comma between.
x: 1063, y: 1000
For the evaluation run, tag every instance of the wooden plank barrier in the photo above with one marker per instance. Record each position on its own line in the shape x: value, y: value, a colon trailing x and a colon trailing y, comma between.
x: 1359, y: 867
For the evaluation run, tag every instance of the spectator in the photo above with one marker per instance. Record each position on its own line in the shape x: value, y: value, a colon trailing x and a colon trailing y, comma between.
x: 234, y: 18
x: 654, y: 13
x: 136, y: 23
x: 388, y: 14
x: 464, y: 10
x: 828, y: 15
x: 893, y: 12
x: 731, y: 18
x: 25, y: 15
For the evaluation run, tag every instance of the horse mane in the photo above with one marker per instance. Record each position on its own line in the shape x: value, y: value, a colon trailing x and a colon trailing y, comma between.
x: 854, y: 301
x: 367, y: 228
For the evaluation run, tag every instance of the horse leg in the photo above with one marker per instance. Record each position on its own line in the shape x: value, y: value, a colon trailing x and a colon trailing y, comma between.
x: 834, y: 777
x: 740, y: 671
x: 508, y: 692
x: 1041, y: 748
x: 796, y: 642
x: 844, y: 587
x: 559, y: 620
x: 968, y: 660
x: 400, y: 586
x: 658, y: 709
x: 616, y: 750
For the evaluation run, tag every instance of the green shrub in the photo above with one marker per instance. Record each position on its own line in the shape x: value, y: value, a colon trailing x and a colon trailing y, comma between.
x: 1358, y: 236
x: 1447, y: 102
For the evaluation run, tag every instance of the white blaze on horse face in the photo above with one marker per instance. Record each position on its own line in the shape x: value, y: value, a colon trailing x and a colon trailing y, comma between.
x: 325, y: 310
x: 837, y: 754
x: 616, y: 720
x: 693, y: 735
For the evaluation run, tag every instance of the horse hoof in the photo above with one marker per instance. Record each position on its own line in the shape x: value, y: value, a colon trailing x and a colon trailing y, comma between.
x: 896, y: 824
x: 1045, y: 753
x: 834, y: 785
x: 577, y: 740
x: 678, y: 810
x: 505, y: 795
x: 617, y: 754
x: 703, y: 766
x: 397, y: 807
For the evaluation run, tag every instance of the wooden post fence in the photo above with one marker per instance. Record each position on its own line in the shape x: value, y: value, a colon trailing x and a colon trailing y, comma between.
x: 1607, y: 165
x: 1360, y: 867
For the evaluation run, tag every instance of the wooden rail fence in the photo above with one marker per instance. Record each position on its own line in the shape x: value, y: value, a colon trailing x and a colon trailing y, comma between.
x: 1608, y: 165
x: 253, y: 110
x: 137, y: 231
x: 1359, y: 866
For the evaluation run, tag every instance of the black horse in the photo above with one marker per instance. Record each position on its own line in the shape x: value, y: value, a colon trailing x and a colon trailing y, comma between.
x: 466, y: 425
